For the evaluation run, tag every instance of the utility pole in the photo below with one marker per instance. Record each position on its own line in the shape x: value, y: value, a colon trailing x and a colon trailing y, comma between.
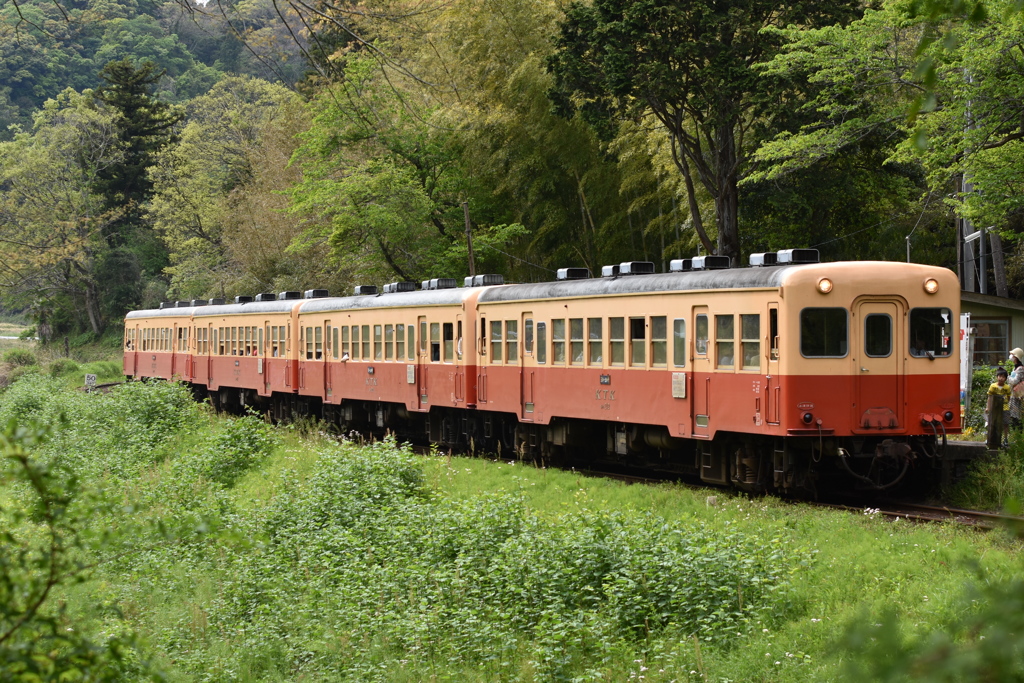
x: 469, y: 240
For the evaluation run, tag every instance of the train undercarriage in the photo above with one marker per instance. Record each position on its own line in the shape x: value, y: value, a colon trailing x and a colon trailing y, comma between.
x: 802, y: 466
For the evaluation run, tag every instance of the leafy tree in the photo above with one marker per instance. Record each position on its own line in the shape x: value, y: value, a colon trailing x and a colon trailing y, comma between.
x: 692, y: 67
x: 51, y: 222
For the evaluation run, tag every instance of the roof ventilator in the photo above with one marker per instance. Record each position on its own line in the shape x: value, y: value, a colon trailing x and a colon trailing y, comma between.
x: 573, y: 274
x: 680, y: 265
x: 636, y: 268
x: 710, y: 262
x: 217, y: 302
x: 396, y: 287
x: 768, y: 258
x: 289, y: 296
x: 610, y: 271
x: 315, y: 294
x: 167, y: 304
x: 183, y: 304
x: 439, y: 283
x: 199, y: 302
x: 243, y: 299
x: 799, y: 256
x: 485, y: 280
x: 266, y: 296
x: 365, y: 290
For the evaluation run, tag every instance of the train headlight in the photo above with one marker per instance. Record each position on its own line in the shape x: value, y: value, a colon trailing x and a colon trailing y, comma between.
x: 931, y: 285
x: 824, y: 285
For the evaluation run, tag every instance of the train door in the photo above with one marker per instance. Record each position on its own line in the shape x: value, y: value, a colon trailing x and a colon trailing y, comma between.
x: 330, y: 353
x: 772, y: 387
x: 877, y: 343
x: 131, y: 355
x: 526, y: 367
x: 701, y: 404
x: 174, y: 350
x: 422, y: 363
x: 460, y: 369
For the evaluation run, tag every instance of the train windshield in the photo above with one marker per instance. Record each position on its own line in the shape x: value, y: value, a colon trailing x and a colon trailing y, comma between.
x: 824, y: 332
x: 931, y: 330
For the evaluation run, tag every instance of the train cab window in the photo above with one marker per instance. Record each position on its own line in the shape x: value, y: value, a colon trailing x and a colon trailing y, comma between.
x: 399, y: 342
x: 637, y: 342
x: 542, y: 343
x: 496, y: 347
x: 824, y: 332
x: 700, y: 341
x: 931, y: 332
x: 558, y: 341
x: 725, y: 341
x: 448, y: 337
x: 378, y: 342
x: 346, y: 349
x: 288, y: 340
x: 365, y: 336
x: 389, y: 342
x: 318, y: 339
x: 435, y: 342
x: 617, y: 340
x: 511, y: 341
x: 411, y: 342
x: 679, y: 343
x: 575, y: 341
x: 595, y: 341
x: 528, y: 337
x: 458, y: 341
x: 878, y: 335
x: 335, y: 350
x: 750, y: 341
x: 659, y: 341
x: 773, y: 332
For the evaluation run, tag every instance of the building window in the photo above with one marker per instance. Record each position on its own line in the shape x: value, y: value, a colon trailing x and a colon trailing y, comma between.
x: 991, y: 340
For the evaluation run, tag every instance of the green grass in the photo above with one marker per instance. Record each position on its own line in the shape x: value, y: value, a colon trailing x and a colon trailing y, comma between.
x: 324, y: 562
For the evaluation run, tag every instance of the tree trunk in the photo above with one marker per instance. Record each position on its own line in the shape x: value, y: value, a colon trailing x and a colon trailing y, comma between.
x: 998, y: 265
x: 92, y: 309
x: 727, y: 198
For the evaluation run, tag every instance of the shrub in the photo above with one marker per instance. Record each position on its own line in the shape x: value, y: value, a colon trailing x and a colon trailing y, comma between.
x: 63, y: 367
x: 243, y: 444
x: 20, y: 357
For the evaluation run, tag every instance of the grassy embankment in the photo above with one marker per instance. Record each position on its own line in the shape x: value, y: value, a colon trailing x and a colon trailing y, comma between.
x: 249, y: 553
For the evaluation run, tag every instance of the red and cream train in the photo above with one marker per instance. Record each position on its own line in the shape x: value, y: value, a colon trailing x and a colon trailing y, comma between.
x: 793, y: 375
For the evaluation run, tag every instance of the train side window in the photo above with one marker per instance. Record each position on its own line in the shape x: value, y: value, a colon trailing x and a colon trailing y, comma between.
x: 617, y: 340
x: 725, y: 344
x: 399, y: 342
x: 824, y: 332
x: 248, y: 341
x: 389, y: 342
x: 378, y: 342
x: 542, y: 342
x: 878, y: 335
x: 558, y: 341
x: 355, y: 342
x: 679, y: 342
x: 930, y: 332
x: 346, y: 349
x: 511, y: 341
x: 309, y: 343
x: 575, y: 341
x: 435, y: 342
x: 365, y: 336
x: 595, y: 341
x: 260, y: 349
x: 700, y: 341
x: 234, y: 341
x: 411, y: 342
x: 318, y: 349
x: 637, y: 341
x: 335, y: 351
x: 458, y: 341
x: 288, y: 340
x: 423, y: 338
x: 448, y: 337
x: 496, y: 341
x: 659, y: 341
x: 750, y: 341
x: 528, y: 337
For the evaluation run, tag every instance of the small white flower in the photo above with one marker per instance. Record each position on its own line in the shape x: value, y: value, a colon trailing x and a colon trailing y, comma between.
x: 815, y: 621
